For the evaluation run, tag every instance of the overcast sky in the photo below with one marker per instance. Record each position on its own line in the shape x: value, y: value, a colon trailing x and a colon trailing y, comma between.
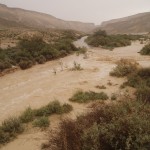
x: 94, y: 11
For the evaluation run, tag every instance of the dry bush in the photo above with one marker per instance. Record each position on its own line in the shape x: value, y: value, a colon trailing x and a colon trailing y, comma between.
x: 121, y: 126
x: 125, y: 67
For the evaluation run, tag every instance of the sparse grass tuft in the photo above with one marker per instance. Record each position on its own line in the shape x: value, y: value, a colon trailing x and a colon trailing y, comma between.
x: 84, y: 97
x: 76, y: 67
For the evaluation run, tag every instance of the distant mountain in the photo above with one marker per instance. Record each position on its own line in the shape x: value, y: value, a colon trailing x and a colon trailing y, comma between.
x: 15, y: 17
x: 139, y: 23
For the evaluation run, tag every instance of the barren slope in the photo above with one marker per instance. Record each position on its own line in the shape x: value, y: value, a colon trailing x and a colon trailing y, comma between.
x: 15, y: 17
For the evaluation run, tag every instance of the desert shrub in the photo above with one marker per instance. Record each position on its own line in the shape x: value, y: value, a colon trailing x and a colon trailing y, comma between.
x: 42, y: 122
x: 100, y: 33
x: 41, y: 59
x: 76, y: 67
x: 84, y: 97
x: 4, y: 137
x: 139, y: 78
x: 12, y: 126
x: 141, y: 81
x: 50, y: 53
x: 81, y: 50
x: 145, y: 50
x: 66, y: 108
x: 124, y: 67
x: 32, y: 44
x: 144, y: 73
x: 27, y: 115
x: 53, y: 108
x: 32, y: 50
x: 124, y: 125
x: 24, y: 64
x: 100, y: 87
x: 113, y: 96
x: 133, y: 80
x: 4, y: 65
x: 143, y: 93
x: 100, y: 38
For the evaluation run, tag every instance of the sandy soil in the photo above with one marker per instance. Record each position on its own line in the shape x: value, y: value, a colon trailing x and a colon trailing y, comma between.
x: 39, y: 85
x: 7, y: 43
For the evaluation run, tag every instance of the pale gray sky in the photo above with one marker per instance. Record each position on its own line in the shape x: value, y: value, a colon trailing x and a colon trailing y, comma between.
x: 94, y: 11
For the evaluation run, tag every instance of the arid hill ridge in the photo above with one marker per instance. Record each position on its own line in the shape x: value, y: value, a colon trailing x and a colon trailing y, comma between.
x: 139, y: 23
x: 16, y: 17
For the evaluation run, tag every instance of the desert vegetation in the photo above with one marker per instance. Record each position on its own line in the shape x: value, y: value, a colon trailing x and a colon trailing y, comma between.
x: 141, y: 81
x: 84, y: 97
x: 37, y: 50
x: 11, y: 127
x: 145, y: 50
x: 137, y: 77
x: 124, y: 125
x: 76, y: 67
x: 124, y: 67
x: 101, y: 38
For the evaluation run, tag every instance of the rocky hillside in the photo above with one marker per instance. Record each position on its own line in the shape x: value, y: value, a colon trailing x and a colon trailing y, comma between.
x: 15, y: 17
x: 139, y: 23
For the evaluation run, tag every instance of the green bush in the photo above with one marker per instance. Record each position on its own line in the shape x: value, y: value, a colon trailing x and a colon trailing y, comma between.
x: 27, y: 115
x: 4, y: 137
x: 12, y: 126
x: 141, y: 81
x: 4, y: 65
x: 145, y: 50
x: 41, y: 59
x: 32, y: 50
x: 53, y: 108
x: 124, y: 67
x: 143, y: 93
x: 100, y: 38
x: 84, y: 97
x: 122, y: 126
x: 66, y: 108
x: 144, y: 73
x: 139, y: 78
x: 50, y: 53
x: 33, y: 44
x: 42, y: 122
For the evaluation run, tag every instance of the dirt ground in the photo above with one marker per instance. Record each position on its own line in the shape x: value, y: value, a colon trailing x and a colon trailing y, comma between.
x: 39, y: 85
